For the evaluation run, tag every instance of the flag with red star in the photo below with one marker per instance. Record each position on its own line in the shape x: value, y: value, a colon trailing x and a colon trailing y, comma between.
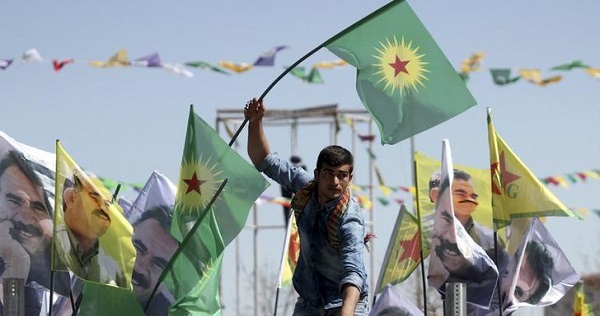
x: 403, y: 78
x: 403, y: 252
x: 207, y: 163
x: 516, y: 191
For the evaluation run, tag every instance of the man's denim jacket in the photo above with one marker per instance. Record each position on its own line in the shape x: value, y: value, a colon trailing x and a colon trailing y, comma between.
x: 322, y: 270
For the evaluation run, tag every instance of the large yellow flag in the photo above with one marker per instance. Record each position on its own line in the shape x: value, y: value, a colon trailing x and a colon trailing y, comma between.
x: 516, y: 191
x: 92, y: 238
x: 402, y: 255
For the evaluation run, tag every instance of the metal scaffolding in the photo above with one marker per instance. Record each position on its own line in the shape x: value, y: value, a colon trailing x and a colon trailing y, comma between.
x: 324, y: 115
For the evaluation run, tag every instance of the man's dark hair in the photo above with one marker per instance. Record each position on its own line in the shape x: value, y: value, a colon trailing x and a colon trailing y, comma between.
x: 335, y: 156
x: 16, y: 158
x: 434, y: 181
x: 541, y: 262
x: 161, y: 213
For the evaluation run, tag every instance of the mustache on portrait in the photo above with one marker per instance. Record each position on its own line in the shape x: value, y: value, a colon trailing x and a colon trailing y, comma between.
x: 140, y: 279
x: 20, y: 227
x: 446, y: 245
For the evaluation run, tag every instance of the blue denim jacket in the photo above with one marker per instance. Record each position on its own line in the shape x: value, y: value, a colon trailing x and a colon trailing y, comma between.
x: 322, y: 270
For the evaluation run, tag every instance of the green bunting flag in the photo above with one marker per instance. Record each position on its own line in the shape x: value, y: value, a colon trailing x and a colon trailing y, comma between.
x: 571, y: 65
x: 315, y: 76
x: 502, y: 77
x: 207, y: 163
x: 205, y: 65
x: 403, y: 78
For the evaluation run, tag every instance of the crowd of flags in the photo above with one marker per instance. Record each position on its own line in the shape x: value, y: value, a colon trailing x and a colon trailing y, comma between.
x: 402, y: 77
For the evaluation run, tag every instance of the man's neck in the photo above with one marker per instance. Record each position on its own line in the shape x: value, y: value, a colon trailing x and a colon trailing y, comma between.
x: 463, y: 219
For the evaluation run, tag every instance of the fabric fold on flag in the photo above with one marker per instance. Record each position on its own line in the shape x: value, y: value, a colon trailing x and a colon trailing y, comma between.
x: 538, y: 273
x: 402, y: 76
x: 455, y: 257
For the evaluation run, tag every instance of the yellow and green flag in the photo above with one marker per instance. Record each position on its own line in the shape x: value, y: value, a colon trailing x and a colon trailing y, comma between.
x: 403, y: 253
x: 580, y: 307
x: 291, y: 252
x: 92, y: 237
x: 403, y: 78
x: 207, y: 163
x: 516, y: 191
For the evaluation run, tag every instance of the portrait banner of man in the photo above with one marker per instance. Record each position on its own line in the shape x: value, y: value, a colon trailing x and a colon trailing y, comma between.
x: 26, y: 207
x: 92, y: 238
x: 538, y: 273
x: 455, y: 257
x: 150, y: 216
x: 427, y: 171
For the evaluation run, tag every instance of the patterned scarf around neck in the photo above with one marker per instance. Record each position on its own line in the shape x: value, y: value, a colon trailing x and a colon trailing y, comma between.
x: 334, y: 221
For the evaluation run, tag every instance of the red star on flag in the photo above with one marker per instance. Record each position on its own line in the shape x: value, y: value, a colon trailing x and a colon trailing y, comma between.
x: 399, y: 66
x: 411, y: 248
x: 193, y: 184
x: 506, y: 176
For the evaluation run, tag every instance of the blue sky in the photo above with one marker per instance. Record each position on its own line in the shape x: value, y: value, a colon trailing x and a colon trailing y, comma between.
x: 125, y: 123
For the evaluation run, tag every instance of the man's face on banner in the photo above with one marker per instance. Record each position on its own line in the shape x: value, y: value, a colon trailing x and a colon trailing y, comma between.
x: 88, y: 211
x: 154, y: 247
x: 464, y: 198
x: 443, y: 245
x: 22, y: 203
x: 528, y: 282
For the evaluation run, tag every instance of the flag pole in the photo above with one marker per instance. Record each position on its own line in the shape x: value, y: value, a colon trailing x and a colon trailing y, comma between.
x: 500, y: 278
x: 423, y: 281
x: 314, y: 50
x: 183, y: 243
x: 284, y: 254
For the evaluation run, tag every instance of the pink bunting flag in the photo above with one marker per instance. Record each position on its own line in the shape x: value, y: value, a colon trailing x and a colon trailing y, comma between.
x: 366, y: 138
x: 59, y: 64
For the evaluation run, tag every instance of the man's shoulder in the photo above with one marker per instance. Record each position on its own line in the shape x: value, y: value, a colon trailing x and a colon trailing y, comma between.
x: 480, y: 228
x: 354, y: 209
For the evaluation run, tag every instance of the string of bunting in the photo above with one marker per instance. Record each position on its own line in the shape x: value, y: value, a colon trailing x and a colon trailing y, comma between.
x: 500, y: 75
